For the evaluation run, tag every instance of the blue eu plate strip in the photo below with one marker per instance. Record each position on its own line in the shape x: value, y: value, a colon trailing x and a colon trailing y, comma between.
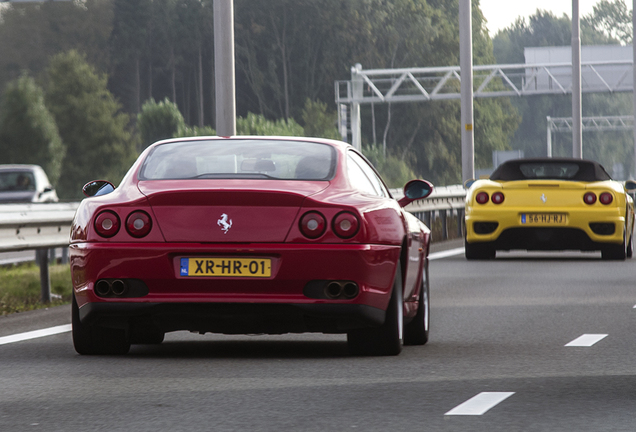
x: 184, y: 266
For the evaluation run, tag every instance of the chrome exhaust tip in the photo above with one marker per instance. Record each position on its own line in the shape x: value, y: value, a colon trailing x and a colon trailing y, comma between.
x: 350, y: 290
x: 333, y: 290
x: 118, y: 287
x: 102, y: 288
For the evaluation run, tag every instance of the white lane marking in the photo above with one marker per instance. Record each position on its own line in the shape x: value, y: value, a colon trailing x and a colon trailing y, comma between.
x: 481, y: 403
x: 587, y: 340
x: 35, y: 334
x: 446, y: 253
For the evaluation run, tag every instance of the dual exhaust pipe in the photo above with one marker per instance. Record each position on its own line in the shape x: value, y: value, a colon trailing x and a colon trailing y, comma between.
x: 111, y: 288
x: 341, y: 290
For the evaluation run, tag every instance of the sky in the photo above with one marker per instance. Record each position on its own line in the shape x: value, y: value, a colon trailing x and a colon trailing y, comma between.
x: 502, y: 13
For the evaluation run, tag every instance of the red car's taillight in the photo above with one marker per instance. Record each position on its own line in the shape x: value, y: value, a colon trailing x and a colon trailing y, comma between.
x: 138, y: 224
x: 589, y: 198
x: 345, y: 225
x: 497, y: 198
x: 606, y: 198
x: 107, y: 224
x: 313, y: 225
x: 482, y: 198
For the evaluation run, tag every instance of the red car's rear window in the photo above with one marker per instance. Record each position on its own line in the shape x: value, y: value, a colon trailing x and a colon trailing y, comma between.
x: 248, y: 158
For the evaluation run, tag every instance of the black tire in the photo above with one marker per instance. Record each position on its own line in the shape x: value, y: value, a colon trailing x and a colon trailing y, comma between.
x: 92, y: 340
x: 630, y: 247
x: 616, y: 252
x: 385, y: 340
x: 416, y: 331
x: 479, y: 251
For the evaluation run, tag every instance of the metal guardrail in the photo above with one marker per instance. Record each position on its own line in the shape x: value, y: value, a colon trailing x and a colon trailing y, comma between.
x: 35, y: 226
x: 44, y: 226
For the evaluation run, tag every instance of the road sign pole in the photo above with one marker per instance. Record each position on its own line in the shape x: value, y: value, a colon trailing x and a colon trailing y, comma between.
x: 225, y: 83
x: 466, y: 72
x: 577, y: 133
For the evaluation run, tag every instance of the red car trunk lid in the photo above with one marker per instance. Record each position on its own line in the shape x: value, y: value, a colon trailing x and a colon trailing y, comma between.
x: 228, y: 211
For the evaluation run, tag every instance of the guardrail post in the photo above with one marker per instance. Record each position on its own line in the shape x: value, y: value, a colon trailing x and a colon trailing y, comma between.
x: 45, y: 281
x: 444, y: 215
x: 460, y: 223
x: 65, y: 255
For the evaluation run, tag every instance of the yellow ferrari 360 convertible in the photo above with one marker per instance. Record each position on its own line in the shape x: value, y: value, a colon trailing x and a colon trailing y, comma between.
x: 549, y: 204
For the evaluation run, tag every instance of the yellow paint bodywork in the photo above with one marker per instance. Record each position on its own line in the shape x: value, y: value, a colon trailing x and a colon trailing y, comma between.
x: 564, y: 197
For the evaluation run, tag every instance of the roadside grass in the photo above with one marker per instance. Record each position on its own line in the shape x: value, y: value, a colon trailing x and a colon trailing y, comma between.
x: 20, y: 287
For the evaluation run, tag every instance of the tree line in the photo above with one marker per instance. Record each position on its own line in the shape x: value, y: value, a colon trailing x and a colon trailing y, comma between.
x: 116, y: 61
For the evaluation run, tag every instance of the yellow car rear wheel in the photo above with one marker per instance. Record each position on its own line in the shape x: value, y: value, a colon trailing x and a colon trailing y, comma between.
x: 479, y: 251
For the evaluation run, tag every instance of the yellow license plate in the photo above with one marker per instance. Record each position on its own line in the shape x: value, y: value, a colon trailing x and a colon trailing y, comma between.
x: 226, y: 267
x: 543, y: 219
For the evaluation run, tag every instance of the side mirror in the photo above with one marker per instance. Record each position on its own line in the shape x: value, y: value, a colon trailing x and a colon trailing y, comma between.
x: 415, y: 190
x: 97, y: 188
x: 468, y: 183
x: 630, y: 185
x: 46, y: 190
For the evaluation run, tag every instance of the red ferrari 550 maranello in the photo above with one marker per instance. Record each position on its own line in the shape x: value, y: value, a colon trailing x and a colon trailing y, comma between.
x: 265, y: 235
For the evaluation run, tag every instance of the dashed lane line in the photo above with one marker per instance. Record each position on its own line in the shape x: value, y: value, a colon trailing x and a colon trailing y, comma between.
x: 446, y: 253
x: 35, y: 334
x: 481, y: 403
x: 587, y: 340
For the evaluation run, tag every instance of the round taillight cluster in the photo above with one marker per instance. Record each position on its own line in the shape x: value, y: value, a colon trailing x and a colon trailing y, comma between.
x: 138, y: 224
x: 313, y: 225
x: 589, y: 198
x: 497, y: 198
x: 606, y: 198
x: 107, y: 224
x: 482, y: 197
x: 345, y: 225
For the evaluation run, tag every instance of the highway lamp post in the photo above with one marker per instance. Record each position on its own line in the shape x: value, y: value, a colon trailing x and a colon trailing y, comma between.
x: 634, y: 76
x: 466, y: 72
x: 577, y: 133
x: 224, y: 78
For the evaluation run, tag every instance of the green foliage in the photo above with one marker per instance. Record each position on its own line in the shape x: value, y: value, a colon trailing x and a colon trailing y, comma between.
x: 318, y: 122
x: 255, y: 124
x: 612, y: 19
x: 287, y: 52
x: 90, y: 124
x: 158, y: 121
x: 28, y: 133
x: 394, y: 171
x: 20, y: 287
x: 192, y: 131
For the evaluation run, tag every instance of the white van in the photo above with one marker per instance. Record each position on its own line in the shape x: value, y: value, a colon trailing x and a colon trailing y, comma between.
x: 25, y: 184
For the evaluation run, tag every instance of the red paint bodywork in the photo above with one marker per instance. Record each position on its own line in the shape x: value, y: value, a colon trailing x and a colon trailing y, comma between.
x: 265, y: 216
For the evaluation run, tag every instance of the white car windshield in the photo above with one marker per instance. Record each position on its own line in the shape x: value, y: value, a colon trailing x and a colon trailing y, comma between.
x: 16, y: 181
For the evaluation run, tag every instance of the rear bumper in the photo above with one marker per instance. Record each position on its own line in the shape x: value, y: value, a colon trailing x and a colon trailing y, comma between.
x: 577, y: 233
x: 233, y: 318
x: 284, y: 302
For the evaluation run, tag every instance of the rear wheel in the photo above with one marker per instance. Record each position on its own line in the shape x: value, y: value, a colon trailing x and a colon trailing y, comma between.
x: 630, y: 247
x: 416, y: 331
x: 479, y: 251
x: 617, y: 252
x: 91, y: 340
x: 385, y: 340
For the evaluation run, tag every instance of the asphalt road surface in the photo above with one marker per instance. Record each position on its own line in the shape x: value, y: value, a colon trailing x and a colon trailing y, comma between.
x: 500, y: 359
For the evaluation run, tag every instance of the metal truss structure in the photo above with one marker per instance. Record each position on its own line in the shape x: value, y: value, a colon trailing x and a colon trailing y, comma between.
x: 443, y: 83
x: 564, y: 124
x: 589, y: 124
x: 440, y: 83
